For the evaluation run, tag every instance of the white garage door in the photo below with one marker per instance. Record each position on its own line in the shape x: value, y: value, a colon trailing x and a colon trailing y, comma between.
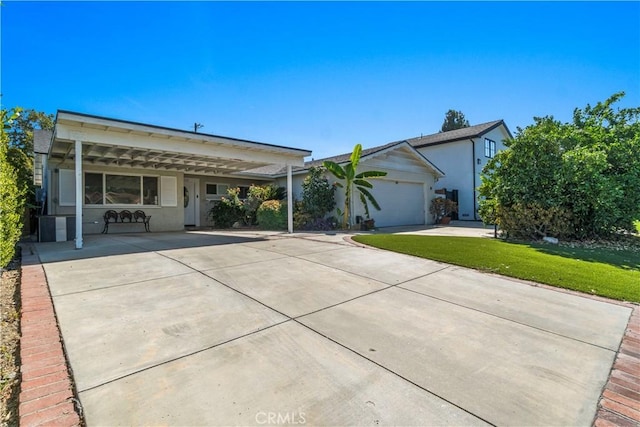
x: 401, y: 203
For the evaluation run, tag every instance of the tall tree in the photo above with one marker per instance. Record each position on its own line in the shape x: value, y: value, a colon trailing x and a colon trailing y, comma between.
x: 20, y: 145
x: 351, y: 178
x: 454, y: 120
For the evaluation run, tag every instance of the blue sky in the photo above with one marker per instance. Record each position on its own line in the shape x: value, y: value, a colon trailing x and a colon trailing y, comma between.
x: 319, y: 75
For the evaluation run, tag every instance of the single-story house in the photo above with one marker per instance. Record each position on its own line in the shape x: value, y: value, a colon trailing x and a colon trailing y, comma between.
x: 90, y: 164
x: 93, y: 164
x: 462, y: 154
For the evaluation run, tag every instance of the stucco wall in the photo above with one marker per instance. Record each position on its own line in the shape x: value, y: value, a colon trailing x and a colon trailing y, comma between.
x: 455, y: 159
x: 206, y: 205
x: 164, y: 218
x: 459, y: 161
x: 396, y: 173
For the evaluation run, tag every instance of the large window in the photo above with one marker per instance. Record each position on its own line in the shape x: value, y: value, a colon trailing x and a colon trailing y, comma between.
x: 111, y: 189
x: 489, y: 148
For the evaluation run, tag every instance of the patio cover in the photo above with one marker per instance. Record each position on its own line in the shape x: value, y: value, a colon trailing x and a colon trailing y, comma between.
x: 88, y: 139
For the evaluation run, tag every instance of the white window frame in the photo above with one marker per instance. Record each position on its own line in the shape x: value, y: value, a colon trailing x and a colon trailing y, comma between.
x: 104, y: 187
x: 218, y: 194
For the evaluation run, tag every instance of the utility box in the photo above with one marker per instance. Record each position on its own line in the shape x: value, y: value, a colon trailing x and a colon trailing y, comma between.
x: 56, y: 228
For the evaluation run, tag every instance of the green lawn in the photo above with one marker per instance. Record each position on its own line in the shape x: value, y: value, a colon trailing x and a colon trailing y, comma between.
x: 605, y: 272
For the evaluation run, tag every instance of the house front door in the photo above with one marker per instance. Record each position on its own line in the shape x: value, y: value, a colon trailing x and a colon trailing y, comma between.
x: 191, y: 201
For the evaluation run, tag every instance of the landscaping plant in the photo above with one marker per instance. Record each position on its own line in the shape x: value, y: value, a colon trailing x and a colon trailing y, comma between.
x: 441, y: 207
x: 258, y: 194
x: 12, y: 195
x: 228, y: 210
x: 352, y: 179
x: 581, y: 178
x: 318, y: 198
x: 272, y: 215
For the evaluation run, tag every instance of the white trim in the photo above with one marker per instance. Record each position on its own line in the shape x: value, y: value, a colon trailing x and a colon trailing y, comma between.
x: 160, y: 132
x: 79, y: 193
x: 289, y: 200
x: 104, y: 188
x: 168, y: 191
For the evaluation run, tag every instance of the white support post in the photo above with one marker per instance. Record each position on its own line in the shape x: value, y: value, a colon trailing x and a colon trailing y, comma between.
x: 78, y: 150
x: 289, y: 200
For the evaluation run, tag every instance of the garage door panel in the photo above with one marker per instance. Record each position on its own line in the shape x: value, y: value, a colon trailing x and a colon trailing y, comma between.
x: 401, y: 203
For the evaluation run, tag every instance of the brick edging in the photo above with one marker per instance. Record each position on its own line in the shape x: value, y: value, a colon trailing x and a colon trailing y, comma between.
x: 619, y: 403
x: 47, y: 395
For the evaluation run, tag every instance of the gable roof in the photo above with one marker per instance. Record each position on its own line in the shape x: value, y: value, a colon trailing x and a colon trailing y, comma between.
x: 457, y: 134
x: 276, y: 170
x: 343, y: 158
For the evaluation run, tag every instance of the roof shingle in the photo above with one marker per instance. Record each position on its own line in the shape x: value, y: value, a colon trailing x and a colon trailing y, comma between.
x: 455, y: 135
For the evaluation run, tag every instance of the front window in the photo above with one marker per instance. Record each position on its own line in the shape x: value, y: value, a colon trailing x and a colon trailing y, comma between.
x: 93, y: 189
x: 489, y: 148
x: 216, y: 191
x: 149, y: 190
x: 122, y: 190
x: 108, y: 189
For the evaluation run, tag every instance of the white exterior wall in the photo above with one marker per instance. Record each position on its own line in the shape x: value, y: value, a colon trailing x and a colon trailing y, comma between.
x: 397, y: 174
x: 459, y: 162
x: 164, y: 218
x: 498, y: 135
x: 455, y: 159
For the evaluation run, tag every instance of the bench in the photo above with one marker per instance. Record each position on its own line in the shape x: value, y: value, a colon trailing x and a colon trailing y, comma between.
x: 138, y: 217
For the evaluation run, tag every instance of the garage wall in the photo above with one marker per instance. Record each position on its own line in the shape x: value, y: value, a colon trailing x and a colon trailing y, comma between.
x: 402, y: 203
x: 404, y: 194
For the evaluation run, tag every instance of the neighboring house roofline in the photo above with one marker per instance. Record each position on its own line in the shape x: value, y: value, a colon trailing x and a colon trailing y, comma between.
x: 367, y: 153
x: 42, y: 140
x: 456, y: 135
x: 186, y: 133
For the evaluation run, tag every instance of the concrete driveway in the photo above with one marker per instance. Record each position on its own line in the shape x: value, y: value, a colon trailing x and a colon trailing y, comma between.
x: 262, y: 329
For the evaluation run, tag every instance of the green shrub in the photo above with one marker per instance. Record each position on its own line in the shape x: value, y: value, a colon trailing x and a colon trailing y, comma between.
x: 257, y: 195
x: 534, y: 222
x: 272, y: 215
x: 12, y: 197
x: 590, y: 167
x: 228, y: 210
x: 318, y: 195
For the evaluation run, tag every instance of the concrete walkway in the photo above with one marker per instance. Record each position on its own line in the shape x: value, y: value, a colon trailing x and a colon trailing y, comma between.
x: 250, y: 328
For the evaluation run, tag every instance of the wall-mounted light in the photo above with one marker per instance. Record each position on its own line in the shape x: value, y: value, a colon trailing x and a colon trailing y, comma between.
x: 479, y: 161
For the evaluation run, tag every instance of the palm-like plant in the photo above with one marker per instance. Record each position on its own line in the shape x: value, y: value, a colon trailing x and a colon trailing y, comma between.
x: 351, y: 178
